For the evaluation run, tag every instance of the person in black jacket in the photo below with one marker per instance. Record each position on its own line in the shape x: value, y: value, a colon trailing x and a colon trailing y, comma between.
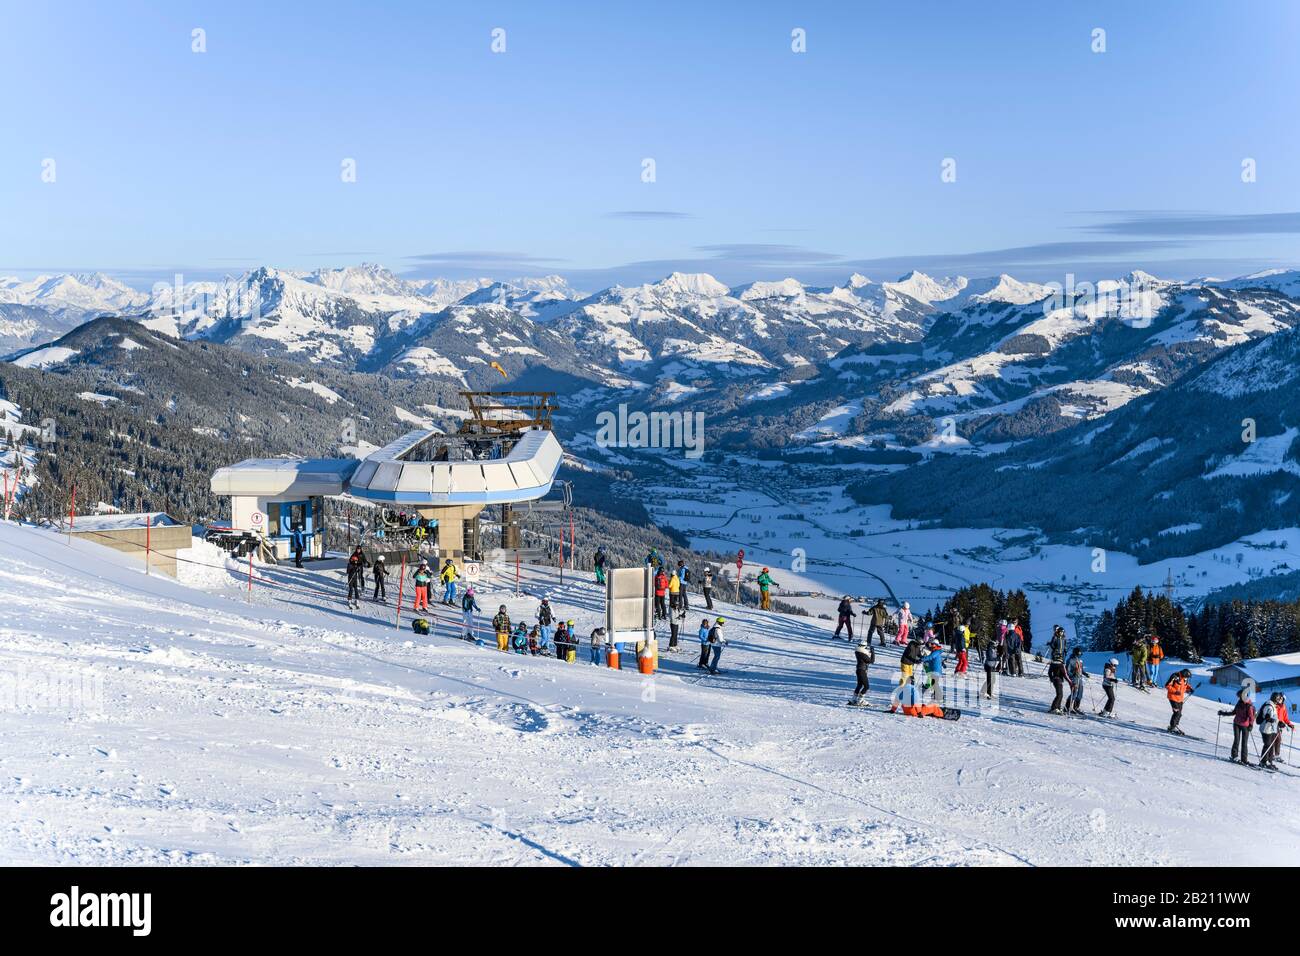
x: 379, y: 572
x: 991, y: 659
x: 1056, y: 674
x: 357, y: 565
x: 846, y: 618
x: 864, y: 657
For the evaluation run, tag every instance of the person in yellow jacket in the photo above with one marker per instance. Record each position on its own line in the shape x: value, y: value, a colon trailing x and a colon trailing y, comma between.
x: 674, y: 591
x: 449, y: 576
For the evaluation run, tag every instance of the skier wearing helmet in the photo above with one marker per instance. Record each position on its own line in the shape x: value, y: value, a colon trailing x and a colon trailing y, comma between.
x: 468, y: 605
x: 1109, y: 678
x: 765, y: 583
x: 501, y: 625
x: 904, y: 624
x: 863, y: 656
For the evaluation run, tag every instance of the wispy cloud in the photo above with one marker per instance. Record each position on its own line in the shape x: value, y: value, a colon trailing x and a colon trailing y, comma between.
x: 1197, y: 224
x: 647, y: 215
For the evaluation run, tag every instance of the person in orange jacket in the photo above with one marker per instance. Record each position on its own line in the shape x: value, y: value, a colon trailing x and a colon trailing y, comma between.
x: 1283, y: 720
x: 1154, y: 657
x: 1177, y: 689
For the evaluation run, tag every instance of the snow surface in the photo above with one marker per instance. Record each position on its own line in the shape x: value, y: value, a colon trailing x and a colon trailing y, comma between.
x: 153, y: 722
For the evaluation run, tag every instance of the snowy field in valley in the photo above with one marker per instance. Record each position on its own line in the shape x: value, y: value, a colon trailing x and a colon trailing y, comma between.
x: 812, y: 525
x: 193, y: 725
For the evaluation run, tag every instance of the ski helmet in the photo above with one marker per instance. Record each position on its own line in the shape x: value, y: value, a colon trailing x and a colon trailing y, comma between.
x: 721, y: 620
x: 1113, y: 662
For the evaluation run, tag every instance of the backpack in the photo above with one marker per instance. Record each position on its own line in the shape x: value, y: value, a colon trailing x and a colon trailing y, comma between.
x: 420, y: 625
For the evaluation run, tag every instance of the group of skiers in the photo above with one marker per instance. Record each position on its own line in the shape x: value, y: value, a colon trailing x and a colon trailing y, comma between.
x: 1271, y: 717
x: 549, y: 636
x: 671, y: 585
x: 422, y: 576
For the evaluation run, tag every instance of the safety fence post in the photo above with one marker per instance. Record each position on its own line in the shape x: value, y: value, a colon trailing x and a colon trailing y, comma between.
x: 401, y: 580
x: 148, y: 526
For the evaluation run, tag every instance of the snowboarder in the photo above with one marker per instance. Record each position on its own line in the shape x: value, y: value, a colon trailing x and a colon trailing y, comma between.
x: 1177, y: 689
x: 545, y: 620
x: 846, y: 614
x: 765, y: 584
x: 704, y: 645
x: 716, y: 643
x: 661, y: 595
x: 708, y: 586
x: 598, y: 646
x: 598, y: 561
x: 1075, y: 671
x: 1243, y: 721
x: 380, y: 573
x: 357, y: 565
x: 468, y: 605
x: 449, y: 576
x: 1109, y: 679
x: 864, y: 657
x: 423, y: 578
x: 298, y: 542
x: 879, y: 616
x: 501, y: 625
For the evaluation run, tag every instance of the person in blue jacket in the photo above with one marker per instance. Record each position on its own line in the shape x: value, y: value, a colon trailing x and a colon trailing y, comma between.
x: 468, y: 605
x: 298, y: 542
x: 704, y: 645
x: 932, y: 664
x: 519, y: 640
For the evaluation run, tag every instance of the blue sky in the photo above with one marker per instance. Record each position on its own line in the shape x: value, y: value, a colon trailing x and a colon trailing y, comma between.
x: 767, y: 162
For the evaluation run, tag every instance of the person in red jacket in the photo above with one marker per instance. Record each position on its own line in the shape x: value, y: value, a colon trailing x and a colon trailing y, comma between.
x: 1243, y: 719
x: 1283, y: 720
x: 661, y: 595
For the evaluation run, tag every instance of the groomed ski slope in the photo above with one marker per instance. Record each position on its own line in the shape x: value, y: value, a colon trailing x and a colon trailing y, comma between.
x: 290, y: 730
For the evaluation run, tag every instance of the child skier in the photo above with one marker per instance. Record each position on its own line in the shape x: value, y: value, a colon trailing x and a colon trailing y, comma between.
x: 864, y: 657
x: 904, y: 624
x: 357, y: 565
x: 501, y: 625
x: 1109, y: 679
x: 598, y: 646
x: 468, y: 605
x: 1269, y: 730
x: 1177, y: 689
x: 519, y: 641
x: 380, y: 573
x: 704, y: 645
x: 423, y: 576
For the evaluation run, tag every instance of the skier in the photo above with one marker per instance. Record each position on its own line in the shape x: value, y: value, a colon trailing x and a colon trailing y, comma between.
x: 864, y: 657
x: 990, y: 666
x: 708, y: 586
x: 904, y: 623
x: 963, y: 649
x: 534, y: 645
x: 598, y: 646
x: 1109, y: 679
x: 1177, y: 689
x: 879, y: 615
x: 1268, y: 730
x: 1154, y: 657
x: 545, y: 620
x: 298, y: 542
x: 1015, y: 664
x: 519, y: 641
x: 704, y: 645
x: 933, y: 661
x: 846, y: 614
x: 423, y: 577
x: 1283, y: 720
x: 468, y: 605
x: 1074, y: 670
x: 674, y: 592
x: 1056, y: 646
x: 380, y: 573
x: 449, y: 576
x: 565, y: 644
x: 501, y: 625
x: 675, y: 622
x: 598, y: 561
x: 1056, y: 670
x: 1139, y: 655
x: 716, y: 643
x: 765, y: 583
x: 661, y: 592
x: 912, y: 655
x: 357, y: 565
x: 1243, y: 720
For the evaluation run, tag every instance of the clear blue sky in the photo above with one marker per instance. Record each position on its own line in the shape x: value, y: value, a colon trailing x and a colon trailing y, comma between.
x: 768, y: 162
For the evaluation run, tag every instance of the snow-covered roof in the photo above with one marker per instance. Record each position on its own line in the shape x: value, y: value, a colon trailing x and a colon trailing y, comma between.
x: 524, y: 474
x: 1266, y: 670
x: 156, y: 519
x: 273, y: 477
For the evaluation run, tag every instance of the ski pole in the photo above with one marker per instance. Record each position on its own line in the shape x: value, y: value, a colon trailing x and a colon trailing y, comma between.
x: 1217, y: 728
